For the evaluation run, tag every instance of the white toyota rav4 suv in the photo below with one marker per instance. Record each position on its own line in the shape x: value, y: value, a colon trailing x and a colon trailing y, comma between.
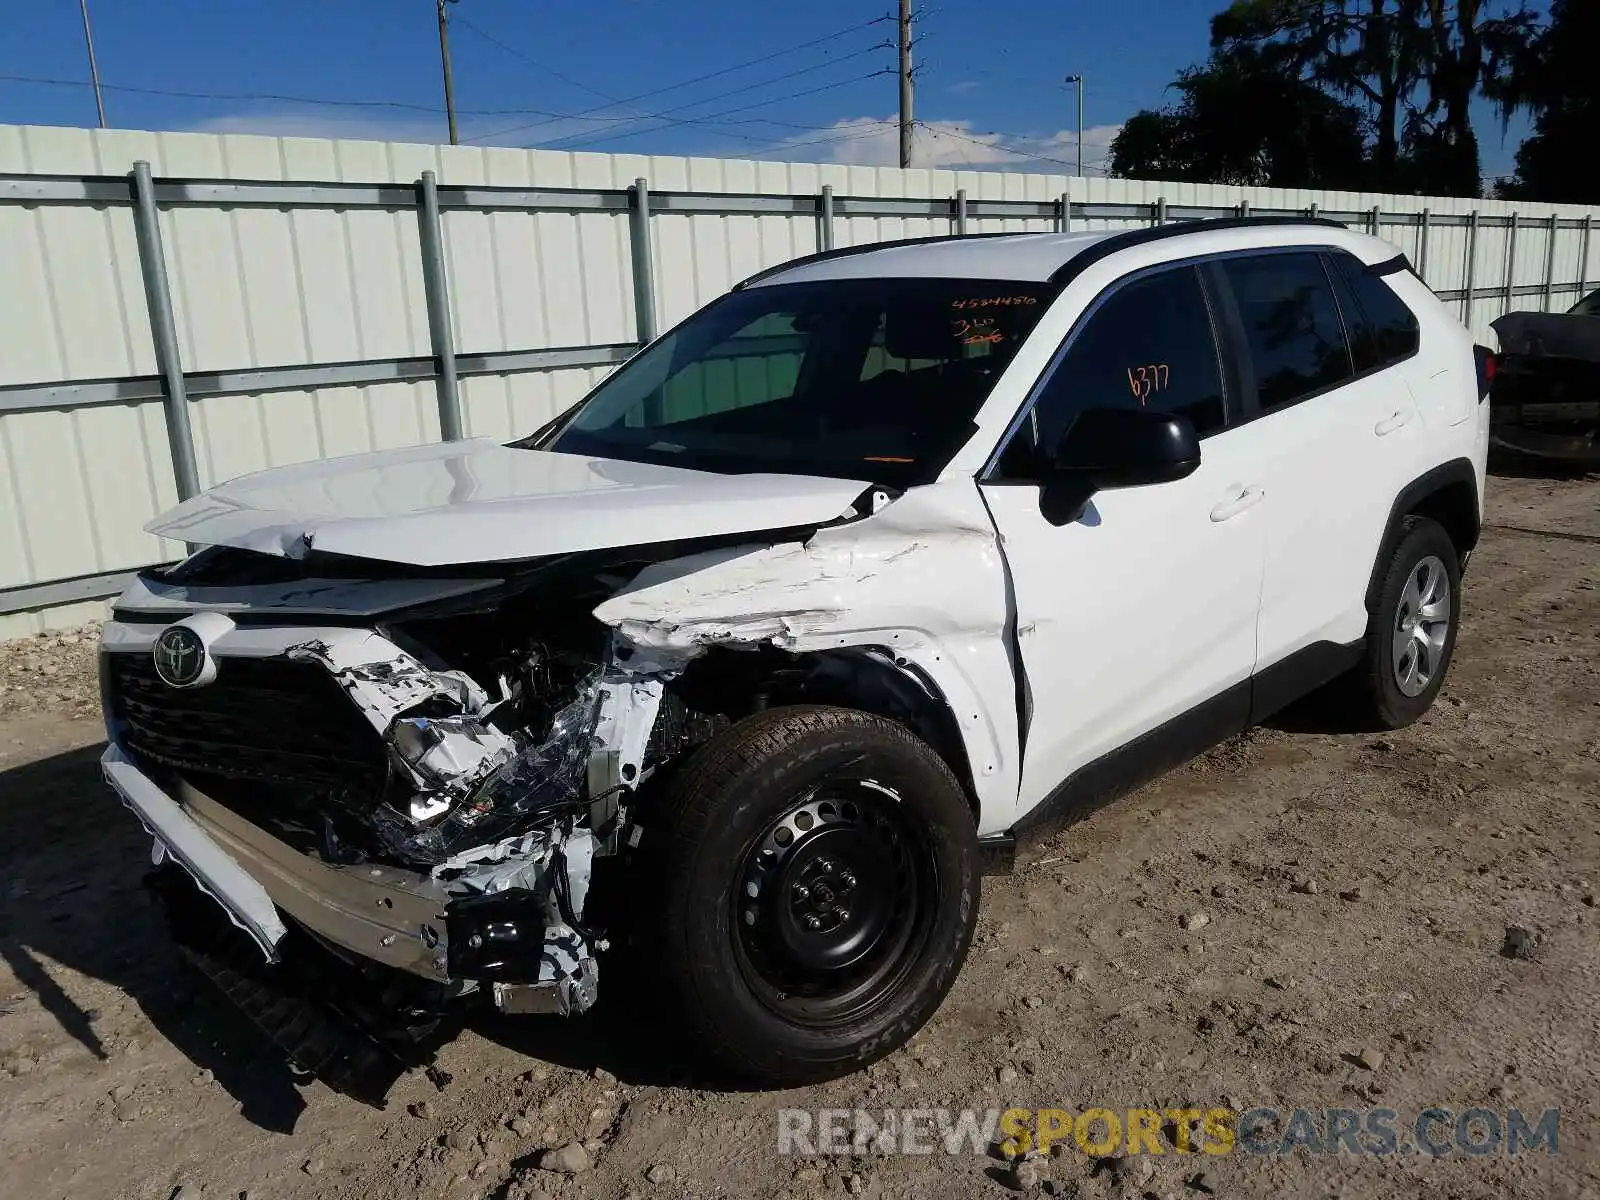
x: 752, y: 661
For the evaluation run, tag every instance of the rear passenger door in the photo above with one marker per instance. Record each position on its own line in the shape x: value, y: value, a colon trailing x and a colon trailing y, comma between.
x: 1337, y: 429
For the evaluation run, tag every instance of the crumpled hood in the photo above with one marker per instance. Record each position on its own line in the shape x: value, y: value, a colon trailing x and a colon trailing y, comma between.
x: 478, y: 501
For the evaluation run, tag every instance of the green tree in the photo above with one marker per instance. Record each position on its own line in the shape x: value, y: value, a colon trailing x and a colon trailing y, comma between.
x: 1244, y: 119
x: 1558, y: 80
x: 1371, y: 51
x: 1407, y: 69
x: 1472, y: 45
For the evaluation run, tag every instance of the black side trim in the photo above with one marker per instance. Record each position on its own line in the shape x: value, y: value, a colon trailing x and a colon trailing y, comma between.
x: 1151, y: 754
x: 1457, y: 470
x: 1299, y: 674
x: 1390, y: 266
x: 997, y: 853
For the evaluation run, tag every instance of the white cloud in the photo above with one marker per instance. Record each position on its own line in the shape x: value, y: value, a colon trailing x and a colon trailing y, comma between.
x: 965, y: 87
x: 862, y: 141
x: 397, y: 126
x: 875, y: 141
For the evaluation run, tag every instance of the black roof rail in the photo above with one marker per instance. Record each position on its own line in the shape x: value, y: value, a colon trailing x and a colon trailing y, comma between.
x: 1075, y: 265
x: 1069, y: 269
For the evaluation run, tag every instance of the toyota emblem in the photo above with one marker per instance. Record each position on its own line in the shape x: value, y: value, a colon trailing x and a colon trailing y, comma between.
x: 181, y: 658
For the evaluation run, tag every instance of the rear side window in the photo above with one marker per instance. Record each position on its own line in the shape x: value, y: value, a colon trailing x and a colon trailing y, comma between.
x: 1291, y: 324
x: 1382, y: 329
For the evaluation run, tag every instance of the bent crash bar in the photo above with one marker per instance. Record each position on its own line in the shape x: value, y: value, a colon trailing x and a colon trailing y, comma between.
x: 391, y: 916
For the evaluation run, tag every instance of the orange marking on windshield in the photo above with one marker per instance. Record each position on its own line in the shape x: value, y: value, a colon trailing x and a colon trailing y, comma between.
x: 975, y: 331
x: 886, y: 458
x: 993, y: 301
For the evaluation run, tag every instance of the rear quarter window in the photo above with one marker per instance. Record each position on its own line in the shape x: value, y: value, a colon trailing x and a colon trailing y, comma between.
x: 1383, y: 330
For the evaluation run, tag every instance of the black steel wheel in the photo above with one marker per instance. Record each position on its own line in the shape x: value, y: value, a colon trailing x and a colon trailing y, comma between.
x: 818, y: 873
x: 834, y: 902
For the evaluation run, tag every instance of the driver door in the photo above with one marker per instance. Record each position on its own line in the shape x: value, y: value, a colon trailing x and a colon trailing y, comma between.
x: 1140, y: 615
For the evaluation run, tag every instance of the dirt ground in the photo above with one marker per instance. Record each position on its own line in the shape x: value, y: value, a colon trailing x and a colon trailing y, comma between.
x: 1355, y: 890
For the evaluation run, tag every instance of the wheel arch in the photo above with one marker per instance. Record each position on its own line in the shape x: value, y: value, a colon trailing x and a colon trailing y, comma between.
x: 868, y: 679
x: 1448, y: 494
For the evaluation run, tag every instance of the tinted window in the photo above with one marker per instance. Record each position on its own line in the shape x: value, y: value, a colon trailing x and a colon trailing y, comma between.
x: 1382, y: 329
x: 873, y: 379
x: 1149, y: 345
x: 1291, y: 323
x: 1589, y: 306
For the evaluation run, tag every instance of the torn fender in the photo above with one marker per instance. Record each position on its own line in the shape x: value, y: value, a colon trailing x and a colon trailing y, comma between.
x: 923, y: 578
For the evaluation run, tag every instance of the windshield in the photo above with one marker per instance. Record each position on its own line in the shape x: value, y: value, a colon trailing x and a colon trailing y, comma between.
x: 1589, y: 306
x: 874, y: 379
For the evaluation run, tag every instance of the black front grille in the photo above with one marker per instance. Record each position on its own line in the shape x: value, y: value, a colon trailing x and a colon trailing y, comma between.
x: 261, y: 719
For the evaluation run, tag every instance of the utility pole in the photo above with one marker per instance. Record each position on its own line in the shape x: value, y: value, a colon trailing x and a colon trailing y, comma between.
x: 449, y: 83
x: 1078, y: 80
x: 905, y: 83
x: 94, y: 69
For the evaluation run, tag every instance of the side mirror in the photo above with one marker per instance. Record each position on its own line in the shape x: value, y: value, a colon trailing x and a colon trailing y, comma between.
x: 1115, y: 448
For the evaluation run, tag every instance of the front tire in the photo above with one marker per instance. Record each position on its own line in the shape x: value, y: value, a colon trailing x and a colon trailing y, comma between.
x: 817, y: 876
x: 1411, y: 632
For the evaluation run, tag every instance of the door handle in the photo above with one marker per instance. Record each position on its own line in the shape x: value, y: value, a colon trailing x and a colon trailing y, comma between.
x: 1393, y: 421
x: 1242, y: 499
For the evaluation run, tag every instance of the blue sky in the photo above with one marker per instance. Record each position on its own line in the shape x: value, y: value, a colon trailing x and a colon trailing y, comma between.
x: 550, y: 72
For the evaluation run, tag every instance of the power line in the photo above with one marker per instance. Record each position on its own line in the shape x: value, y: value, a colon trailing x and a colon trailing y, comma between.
x: 665, y: 113
x: 712, y: 118
x: 433, y: 110
x: 977, y: 141
x: 709, y: 75
x: 533, y: 62
x: 280, y: 98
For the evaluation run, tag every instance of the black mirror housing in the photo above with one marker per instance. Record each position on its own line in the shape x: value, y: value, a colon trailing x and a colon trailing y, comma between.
x: 1116, y: 448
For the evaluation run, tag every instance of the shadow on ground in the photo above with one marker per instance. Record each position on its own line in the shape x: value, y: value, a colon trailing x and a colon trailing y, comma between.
x: 73, y: 859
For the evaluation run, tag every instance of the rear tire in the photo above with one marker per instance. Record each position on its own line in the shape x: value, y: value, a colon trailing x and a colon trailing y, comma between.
x: 1411, y: 632
x: 816, y: 883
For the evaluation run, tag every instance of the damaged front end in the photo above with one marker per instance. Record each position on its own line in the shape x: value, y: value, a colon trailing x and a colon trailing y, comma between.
x: 425, y: 784
x: 429, y: 796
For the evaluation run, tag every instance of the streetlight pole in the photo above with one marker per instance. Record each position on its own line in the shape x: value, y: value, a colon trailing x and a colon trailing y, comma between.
x: 1077, y: 80
x: 449, y: 82
x: 94, y: 69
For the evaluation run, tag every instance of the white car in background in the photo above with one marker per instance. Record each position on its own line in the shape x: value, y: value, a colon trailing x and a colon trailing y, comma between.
x: 753, y: 660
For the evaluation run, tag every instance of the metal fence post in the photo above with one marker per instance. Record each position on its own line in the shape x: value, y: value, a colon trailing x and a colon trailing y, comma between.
x: 1376, y: 219
x: 1550, y: 262
x: 1066, y: 210
x: 1472, y: 268
x: 825, y: 218
x: 961, y: 212
x: 1422, y: 244
x: 436, y: 289
x: 1161, y: 210
x: 1583, y: 256
x: 1244, y: 209
x: 644, y: 286
x: 164, y: 333
x: 1315, y: 209
x: 1511, y: 258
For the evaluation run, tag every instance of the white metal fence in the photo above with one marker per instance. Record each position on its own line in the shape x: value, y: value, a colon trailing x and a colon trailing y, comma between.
x: 245, y: 302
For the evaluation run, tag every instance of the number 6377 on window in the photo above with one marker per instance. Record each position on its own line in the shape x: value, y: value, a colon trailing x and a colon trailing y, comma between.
x: 1151, y: 377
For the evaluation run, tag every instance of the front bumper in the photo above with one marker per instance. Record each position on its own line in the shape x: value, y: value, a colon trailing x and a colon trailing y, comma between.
x: 388, y: 915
